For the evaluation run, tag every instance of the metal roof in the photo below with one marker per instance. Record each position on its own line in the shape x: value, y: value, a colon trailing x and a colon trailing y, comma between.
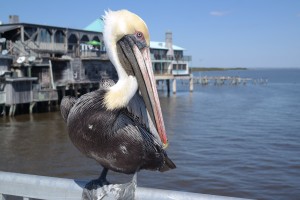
x: 158, y: 45
x: 4, y: 28
x: 162, y: 45
x: 177, y: 48
x: 96, y: 25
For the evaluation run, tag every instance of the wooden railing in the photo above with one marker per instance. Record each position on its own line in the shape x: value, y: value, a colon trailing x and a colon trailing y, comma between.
x: 170, y: 58
x: 45, y: 95
x: 45, y: 46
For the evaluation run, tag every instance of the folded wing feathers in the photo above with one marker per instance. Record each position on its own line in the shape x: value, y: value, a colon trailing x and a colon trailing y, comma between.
x: 65, y: 106
x: 136, y: 107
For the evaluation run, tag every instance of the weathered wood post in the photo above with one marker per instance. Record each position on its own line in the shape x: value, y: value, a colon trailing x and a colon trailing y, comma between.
x: 191, y: 83
x: 51, y: 75
x: 4, y: 110
x: 49, y: 106
x: 12, y: 110
x: 174, y: 85
x: 168, y: 86
x: 32, y: 104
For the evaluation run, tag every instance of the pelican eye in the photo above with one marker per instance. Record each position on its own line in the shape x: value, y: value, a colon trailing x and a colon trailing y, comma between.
x: 139, y: 35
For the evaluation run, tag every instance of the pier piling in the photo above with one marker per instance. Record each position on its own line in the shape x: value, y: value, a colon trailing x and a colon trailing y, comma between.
x: 168, y: 86
x: 174, y: 85
x: 191, y: 83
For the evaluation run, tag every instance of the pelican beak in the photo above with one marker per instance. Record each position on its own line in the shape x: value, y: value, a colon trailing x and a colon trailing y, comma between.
x: 139, y: 60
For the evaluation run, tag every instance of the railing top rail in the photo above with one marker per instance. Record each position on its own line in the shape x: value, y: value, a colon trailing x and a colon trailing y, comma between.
x: 41, y: 187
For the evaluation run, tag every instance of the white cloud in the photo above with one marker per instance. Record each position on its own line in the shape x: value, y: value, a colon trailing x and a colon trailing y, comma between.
x: 219, y: 13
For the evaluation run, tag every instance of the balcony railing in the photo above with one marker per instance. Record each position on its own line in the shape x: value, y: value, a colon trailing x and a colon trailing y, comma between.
x: 45, y: 95
x: 162, y: 72
x: 93, y: 54
x: 45, y: 46
x: 170, y: 58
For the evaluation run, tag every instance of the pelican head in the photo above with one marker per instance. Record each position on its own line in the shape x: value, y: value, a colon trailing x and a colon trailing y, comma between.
x: 127, y: 42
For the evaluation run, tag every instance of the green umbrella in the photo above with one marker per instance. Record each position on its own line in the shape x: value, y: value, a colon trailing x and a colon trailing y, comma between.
x: 94, y: 43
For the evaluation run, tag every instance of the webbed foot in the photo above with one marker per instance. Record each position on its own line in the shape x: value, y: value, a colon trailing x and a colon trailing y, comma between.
x: 96, y: 183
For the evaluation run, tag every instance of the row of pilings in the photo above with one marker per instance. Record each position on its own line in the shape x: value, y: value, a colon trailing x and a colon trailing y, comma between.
x: 227, y: 80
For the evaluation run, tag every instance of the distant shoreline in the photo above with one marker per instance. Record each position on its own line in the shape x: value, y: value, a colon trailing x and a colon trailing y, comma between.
x: 203, y: 69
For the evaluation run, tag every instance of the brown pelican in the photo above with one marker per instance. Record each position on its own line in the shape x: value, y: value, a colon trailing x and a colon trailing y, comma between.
x: 121, y: 125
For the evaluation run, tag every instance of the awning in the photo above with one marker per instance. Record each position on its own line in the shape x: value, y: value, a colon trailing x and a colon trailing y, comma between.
x: 94, y: 43
x: 5, y: 28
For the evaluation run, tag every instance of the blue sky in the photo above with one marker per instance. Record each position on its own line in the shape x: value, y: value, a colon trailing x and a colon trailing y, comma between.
x: 216, y: 33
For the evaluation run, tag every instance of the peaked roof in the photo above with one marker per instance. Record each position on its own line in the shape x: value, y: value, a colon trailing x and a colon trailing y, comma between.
x: 96, y: 25
x: 162, y: 45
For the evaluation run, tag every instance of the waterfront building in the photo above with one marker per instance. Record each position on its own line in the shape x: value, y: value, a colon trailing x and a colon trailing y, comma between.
x: 42, y: 63
x: 168, y: 58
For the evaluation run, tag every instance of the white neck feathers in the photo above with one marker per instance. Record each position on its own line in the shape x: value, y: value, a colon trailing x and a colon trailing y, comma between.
x: 119, y: 95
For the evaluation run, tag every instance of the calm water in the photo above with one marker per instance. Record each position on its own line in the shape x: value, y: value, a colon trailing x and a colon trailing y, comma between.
x: 241, y: 141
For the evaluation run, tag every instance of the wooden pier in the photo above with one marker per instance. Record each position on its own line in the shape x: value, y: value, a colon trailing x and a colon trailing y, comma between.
x: 172, y: 79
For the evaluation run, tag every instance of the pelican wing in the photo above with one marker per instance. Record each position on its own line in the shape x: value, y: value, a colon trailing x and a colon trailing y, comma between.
x: 68, y: 101
x: 134, y: 138
x: 135, y: 147
x: 137, y: 110
x: 65, y: 106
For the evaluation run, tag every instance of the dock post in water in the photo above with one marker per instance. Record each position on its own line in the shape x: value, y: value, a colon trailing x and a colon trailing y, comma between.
x: 12, y: 110
x: 168, y: 86
x: 191, y: 83
x: 174, y: 85
x: 32, y: 104
x: 3, y: 110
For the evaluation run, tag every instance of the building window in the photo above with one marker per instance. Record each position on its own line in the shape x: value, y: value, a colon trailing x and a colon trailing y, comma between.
x: 158, y: 54
x: 72, y: 41
x: 84, y: 39
x: 96, y: 38
x: 45, y: 35
x: 179, y: 66
x: 59, y: 37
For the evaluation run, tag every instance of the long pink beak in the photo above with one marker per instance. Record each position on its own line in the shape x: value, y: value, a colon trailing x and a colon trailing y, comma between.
x: 147, y: 86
